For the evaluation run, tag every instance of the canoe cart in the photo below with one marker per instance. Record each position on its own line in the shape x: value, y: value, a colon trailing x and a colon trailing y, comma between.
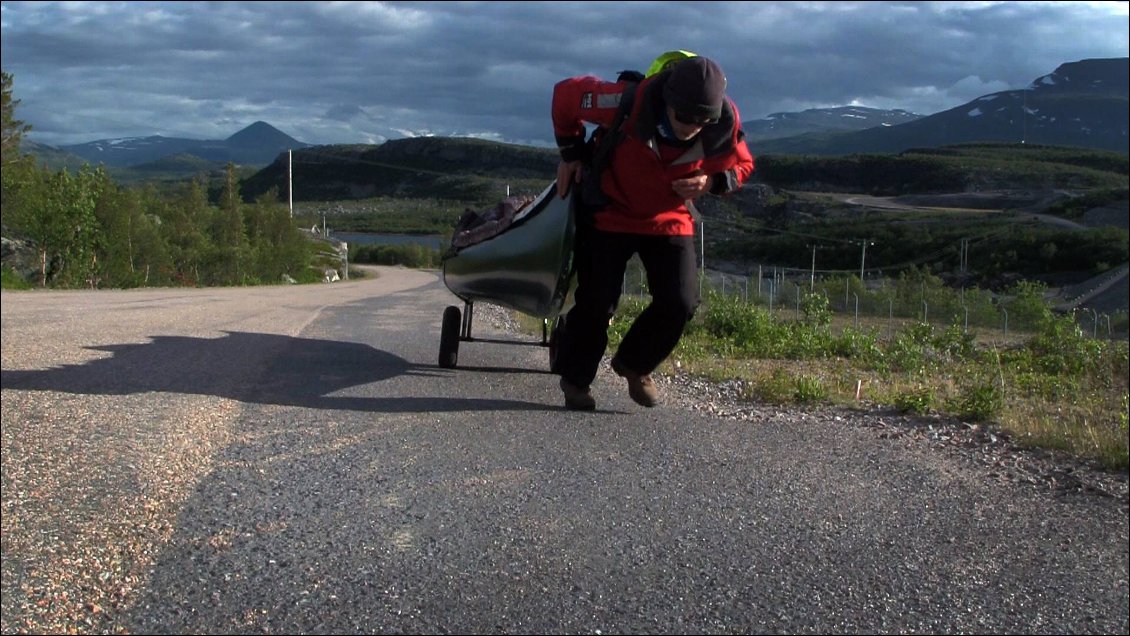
x: 518, y: 255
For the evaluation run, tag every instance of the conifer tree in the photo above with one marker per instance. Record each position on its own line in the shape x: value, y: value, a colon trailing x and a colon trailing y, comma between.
x: 11, y: 129
x: 229, y: 236
x: 185, y: 221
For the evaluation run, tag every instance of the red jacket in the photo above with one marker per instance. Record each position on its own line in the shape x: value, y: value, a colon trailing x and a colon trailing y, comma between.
x: 638, y: 177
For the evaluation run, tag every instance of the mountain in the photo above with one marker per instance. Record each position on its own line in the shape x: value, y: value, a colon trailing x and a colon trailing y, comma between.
x: 262, y: 135
x: 257, y: 144
x: 1082, y: 104
x: 823, y: 120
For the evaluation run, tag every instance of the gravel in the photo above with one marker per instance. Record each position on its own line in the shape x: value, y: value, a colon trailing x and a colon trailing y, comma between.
x: 974, y: 443
x: 981, y: 444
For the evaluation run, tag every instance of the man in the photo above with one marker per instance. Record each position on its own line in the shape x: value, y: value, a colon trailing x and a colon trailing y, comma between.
x: 682, y: 138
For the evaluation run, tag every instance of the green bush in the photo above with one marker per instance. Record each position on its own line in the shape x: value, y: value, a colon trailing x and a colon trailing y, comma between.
x: 910, y: 350
x: 956, y: 343
x: 816, y: 309
x: 808, y: 390
x: 979, y: 402
x: 919, y: 400
x: 1061, y: 348
x: 408, y: 255
x: 11, y: 279
x: 862, y: 346
x: 1026, y: 305
x: 1124, y: 416
x: 777, y: 388
x: 750, y: 330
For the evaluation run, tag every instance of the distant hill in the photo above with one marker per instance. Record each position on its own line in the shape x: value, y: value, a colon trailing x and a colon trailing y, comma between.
x: 257, y: 144
x: 178, y: 164
x: 823, y: 120
x: 170, y: 168
x: 423, y: 167
x: 52, y: 157
x: 1082, y: 104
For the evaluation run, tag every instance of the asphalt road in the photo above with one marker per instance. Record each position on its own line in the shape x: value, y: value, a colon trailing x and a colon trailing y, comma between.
x: 291, y: 460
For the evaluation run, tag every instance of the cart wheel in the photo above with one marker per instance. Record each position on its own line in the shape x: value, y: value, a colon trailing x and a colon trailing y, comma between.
x: 449, y: 338
x: 554, y: 342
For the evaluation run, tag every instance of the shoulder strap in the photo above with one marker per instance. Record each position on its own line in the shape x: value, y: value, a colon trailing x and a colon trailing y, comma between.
x: 605, y: 139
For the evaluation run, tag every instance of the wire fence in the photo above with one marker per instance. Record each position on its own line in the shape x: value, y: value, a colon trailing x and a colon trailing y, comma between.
x: 887, y: 304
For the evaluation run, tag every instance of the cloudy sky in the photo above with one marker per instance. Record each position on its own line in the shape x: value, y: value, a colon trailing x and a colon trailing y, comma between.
x: 364, y: 72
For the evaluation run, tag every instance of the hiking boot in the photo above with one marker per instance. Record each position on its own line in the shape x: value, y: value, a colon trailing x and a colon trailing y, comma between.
x: 640, y: 387
x: 576, y: 398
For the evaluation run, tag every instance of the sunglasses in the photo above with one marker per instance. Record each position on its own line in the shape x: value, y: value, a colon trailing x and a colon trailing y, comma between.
x: 695, y: 120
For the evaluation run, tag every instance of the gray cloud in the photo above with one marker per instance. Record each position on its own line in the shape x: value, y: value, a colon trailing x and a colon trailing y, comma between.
x: 363, y: 72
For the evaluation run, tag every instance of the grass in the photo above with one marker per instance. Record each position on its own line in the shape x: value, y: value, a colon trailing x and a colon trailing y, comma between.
x: 1052, y: 388
x: 10, y: 279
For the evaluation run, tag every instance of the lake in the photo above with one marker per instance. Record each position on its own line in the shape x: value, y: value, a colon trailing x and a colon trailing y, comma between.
x: 364, y: 238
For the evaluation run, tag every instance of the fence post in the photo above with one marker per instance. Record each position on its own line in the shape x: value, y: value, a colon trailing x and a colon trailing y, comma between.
x: 890, y: 317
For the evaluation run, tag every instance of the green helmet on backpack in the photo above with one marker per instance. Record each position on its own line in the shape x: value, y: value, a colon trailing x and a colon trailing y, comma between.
x: 667, y: 60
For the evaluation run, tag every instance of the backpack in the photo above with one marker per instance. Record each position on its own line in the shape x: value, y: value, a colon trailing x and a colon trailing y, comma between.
x: 604, y: 139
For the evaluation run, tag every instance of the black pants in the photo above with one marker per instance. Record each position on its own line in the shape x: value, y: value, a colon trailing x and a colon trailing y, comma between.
x: 602, y: 257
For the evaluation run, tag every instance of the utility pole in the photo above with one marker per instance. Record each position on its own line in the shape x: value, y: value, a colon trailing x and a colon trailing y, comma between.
x: 290, y: 180
x: 812, y: 278
x: 863, y: 257
x: 1024, y: 118
x: 702, y: 243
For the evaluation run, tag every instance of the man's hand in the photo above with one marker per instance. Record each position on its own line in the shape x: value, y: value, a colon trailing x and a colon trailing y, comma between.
x: 568, y: 173
x: 691, y: 187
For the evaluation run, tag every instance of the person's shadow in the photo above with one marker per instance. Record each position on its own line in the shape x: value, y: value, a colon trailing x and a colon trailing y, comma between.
x: 255, y: 368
